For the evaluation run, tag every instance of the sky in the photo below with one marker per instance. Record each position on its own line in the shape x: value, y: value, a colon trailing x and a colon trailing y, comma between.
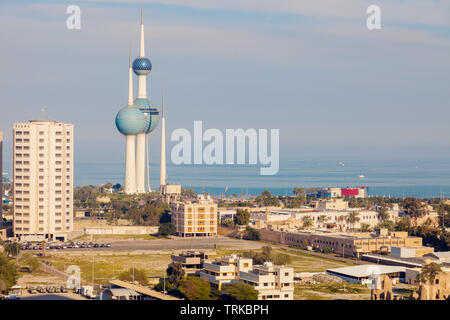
x: 311, y: 69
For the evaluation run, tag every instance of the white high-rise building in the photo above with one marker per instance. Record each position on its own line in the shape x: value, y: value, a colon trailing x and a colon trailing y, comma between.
x: 43, y: 179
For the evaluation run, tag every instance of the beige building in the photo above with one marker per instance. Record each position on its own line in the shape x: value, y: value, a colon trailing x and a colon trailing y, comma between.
x: 192, y: 261
x: 224, y: 270
x: 195, y: 218
x: 272, y: 282
x: 43, y: 179
x: 347, y: 244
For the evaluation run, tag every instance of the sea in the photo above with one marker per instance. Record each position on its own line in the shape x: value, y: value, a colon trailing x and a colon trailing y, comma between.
x: 402, y: 178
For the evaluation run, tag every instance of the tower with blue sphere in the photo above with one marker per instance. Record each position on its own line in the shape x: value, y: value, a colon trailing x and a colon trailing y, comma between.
x: 136, y: 121
x: 142, y: 67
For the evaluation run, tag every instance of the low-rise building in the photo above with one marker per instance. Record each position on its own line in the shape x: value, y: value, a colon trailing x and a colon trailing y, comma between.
x: 366, y: 273
x: 224, y: 270
x: 192, y: 261
x: 347, y: 244
x: 272, y: 282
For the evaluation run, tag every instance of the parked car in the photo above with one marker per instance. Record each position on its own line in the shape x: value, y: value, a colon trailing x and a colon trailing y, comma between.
x: 32, y: 290
x: 108, y: 245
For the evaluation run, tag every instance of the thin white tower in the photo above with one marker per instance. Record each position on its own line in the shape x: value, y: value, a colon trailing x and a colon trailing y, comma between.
x: 163, y: 176
x: 141, y: 137
x: 130, y: 161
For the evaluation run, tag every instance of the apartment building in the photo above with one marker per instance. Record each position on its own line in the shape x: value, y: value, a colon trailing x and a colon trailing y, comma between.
x: 195, y: 218
x: 224, y: 270
x: 43, y: 179
x: 272, y: 282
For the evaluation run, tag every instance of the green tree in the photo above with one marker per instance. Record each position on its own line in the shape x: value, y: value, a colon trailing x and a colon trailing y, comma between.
x: 414, y: 207
x: 403, y: 224
x: 352, y: 218
x: 323, y: 218
x: 8, y: 273
x: 195, y: 288
x: 307, y: 222
x: 252, y: 234
x: 175, y: 273
x: 429, y: 272
x: 239, y: 291
x: 188, y: 193
x: 365, y: 227
x: 242, y: 217
x: 133, y: 274
x: 383, y: 213
x: 386, y: 224
x: 266, y: 199
x: 166, y: 229
x: 12, y: 249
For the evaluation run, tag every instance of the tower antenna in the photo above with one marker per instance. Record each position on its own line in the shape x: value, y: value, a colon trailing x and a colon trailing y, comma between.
x: 163, y: 176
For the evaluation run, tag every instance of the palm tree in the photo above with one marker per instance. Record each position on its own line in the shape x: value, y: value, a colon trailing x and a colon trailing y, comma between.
x: 429, y: 272
x: 322, y: 218
x: 12, y: 249
x: 175, y: 273
x: 307, y: 222
x: 352, y: 218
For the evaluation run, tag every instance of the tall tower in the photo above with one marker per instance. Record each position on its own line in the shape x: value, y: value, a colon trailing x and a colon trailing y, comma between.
x: 130, y: 121
x: 163, y: 176
x: 142, y: 67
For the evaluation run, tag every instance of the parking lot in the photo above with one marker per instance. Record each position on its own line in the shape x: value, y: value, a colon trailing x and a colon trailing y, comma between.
x: 63, y: 246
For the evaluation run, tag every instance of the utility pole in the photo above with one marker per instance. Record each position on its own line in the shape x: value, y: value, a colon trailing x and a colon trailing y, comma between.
x: 93, y: 272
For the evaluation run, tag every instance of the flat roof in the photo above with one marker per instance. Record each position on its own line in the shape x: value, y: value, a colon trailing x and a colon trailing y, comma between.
x: 366, y: 270
x: 143, y: 290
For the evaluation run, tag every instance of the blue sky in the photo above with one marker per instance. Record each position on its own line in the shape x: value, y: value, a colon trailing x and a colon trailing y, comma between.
x: 308, y: 68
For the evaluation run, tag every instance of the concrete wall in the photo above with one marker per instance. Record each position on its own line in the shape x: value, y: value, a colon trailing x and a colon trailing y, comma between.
x: 124, y: 230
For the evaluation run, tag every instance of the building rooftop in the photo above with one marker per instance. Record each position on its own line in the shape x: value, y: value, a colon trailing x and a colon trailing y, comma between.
x: 366, y: 270
x: 439, y: 255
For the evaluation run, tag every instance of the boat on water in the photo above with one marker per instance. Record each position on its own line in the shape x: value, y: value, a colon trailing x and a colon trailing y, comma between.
x: 361, y: 176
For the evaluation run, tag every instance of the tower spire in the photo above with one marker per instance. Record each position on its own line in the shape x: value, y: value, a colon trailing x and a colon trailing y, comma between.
x: 141, y: 43
x: 130, y: 82
x: 163, y: 177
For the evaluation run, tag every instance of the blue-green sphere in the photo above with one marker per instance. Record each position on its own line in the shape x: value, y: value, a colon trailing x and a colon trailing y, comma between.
x: 131, y: 121
x: 151, y: 113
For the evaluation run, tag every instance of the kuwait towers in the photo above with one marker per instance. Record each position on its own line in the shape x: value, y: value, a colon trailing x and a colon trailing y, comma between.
x: 136, y: 121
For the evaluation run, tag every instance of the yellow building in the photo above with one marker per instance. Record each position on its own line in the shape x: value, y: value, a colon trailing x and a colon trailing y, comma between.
x: 195, y: 218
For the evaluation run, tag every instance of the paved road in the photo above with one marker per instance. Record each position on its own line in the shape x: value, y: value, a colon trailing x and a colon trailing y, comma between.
x: 59, y: 296
x: 171, y: 244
